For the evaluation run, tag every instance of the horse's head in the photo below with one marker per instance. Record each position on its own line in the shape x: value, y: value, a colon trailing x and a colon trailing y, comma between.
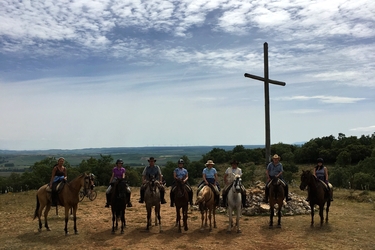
x: 237, y: 183
x: 305, y: 178
x: 152, y: 183
x: 276, y: 181
x: 88, y: 182
x: 121, y: 188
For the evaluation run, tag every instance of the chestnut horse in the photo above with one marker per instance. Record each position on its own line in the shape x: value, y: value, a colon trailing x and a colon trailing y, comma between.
x: 67, y: 197
x: 318, y: 195
x: 206, y: 202
x: 276, y: 196
x: 181, y: 200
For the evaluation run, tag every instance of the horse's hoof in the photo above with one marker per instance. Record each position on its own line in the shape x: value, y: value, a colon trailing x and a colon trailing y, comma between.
x: 113, y: 232
x: 270, y: 226
x: 122, y: 232
x: 278, y: 226
x: 202, y: 229
x: 186, y: 228
x: 48, y: 229
x: 229, y: 232
x: 76, y: 232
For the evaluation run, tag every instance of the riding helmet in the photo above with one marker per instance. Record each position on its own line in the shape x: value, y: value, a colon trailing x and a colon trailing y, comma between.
x: 119, y: 161
x: 180, y: 161
x: 320, y: 160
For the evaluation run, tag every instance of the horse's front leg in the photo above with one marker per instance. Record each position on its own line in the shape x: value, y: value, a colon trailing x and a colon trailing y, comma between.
x: 177, y: 216
x: 122, y: 221
x: 113, y: 222
x: 148, y: 218
x: 312, y: 214
x: 185, y: 216
x: 214, y: 215
x: 238, y: 219
x: 327, y: 210
x: 75, y: 218
x: 230, y: 219
x: 279, y: 217
x: 202, y: 218
x: 157, y: 214
x: 272, y: 211
x: 321, y: 210
x: 210, y: 217
x: 66, y: 220
x: 48, y: 207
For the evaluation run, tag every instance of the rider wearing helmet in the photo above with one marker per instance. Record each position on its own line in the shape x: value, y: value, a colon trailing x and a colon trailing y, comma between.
x: 118, y: 172
x: 182, y: 174
x: 321, y: 172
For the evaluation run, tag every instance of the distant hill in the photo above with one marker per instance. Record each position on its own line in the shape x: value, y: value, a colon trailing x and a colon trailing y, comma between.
x: 128, y: 150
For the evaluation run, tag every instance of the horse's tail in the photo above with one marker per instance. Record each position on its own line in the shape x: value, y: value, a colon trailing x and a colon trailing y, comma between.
x: 36, y: 214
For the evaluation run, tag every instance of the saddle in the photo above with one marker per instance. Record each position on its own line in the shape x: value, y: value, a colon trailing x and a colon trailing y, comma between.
x: 281, y: 181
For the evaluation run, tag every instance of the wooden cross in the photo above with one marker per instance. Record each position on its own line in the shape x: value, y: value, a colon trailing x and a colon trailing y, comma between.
x: 266, y: 81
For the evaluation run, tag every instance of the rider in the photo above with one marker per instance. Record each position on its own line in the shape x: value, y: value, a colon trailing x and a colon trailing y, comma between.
x: 59, y: 174
x: 209, y: 175
x: 321, y: 172
x: 182, y: 174
x: 118, y: 172
x: 275, y: 170
x: 148, y: 171
x: 228, y: 180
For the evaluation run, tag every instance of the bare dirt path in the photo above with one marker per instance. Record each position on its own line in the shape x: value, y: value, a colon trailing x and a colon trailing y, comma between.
x: 350, y: 227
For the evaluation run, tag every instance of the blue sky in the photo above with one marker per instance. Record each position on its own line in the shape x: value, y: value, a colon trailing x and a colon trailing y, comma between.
x: 81, y: 74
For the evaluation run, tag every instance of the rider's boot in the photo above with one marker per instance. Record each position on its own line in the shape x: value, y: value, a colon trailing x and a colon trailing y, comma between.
x: 129, y: 204
x: 224, y: 201
x: 171, y: 197
x: 162, y: 200
x: 108, y: 198
x: 265, y: 200
x: 286, y: 190
x: 244, y: 203
x: 191, y: 197
x: 141, y: 200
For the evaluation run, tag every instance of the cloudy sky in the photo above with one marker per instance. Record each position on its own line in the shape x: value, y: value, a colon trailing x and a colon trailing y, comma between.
x: 127, y: 73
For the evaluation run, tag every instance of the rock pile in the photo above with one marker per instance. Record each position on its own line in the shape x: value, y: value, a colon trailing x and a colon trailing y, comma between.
x: 256, y: 206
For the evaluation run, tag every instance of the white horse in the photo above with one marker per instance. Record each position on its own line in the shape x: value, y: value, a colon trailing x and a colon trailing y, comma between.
x: 234, y: 201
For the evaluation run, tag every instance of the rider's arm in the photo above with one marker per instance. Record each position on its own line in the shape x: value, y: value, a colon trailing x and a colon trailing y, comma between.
x: 226, y: 178
x: 110, y: 180
x: 186, y: 177
x: 326, y: 173
x: 53, y: 176
x: 204, y: 178
x: 174, y: 175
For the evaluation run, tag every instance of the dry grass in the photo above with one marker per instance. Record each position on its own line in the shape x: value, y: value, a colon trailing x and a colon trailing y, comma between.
x: 350, y: 227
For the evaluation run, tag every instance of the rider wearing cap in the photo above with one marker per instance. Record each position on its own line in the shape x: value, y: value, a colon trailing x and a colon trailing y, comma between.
x: 182, y: 174
x: 228, y: 180
x: 275, y: 170
x: 209, y: 175
x: 148, y: 171
x: 118, y: 172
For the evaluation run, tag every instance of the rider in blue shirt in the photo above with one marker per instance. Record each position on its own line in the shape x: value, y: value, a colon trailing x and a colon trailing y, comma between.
x: 209, y: 175
x: 182, y: 174
x: 275, y: 170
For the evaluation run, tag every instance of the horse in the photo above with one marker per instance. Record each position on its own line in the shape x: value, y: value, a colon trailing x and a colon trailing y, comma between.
x: 276, y: 196
x: 118, y: 205
x: 206, y: 202
x: 318, y: 195
x: 234, y: 201
x: 68, y: 197
x: 181, y: 200
x: 152, y: 199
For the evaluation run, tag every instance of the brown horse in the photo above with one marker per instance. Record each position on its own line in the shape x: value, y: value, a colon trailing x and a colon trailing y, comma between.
x: 206, y: 202
x: 152, y: 199
x: 181, y: 200
x: 318, y: 195
x: 68, y: 197
x: 276, y: 196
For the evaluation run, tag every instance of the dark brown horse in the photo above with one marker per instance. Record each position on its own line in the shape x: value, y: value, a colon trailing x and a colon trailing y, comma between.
x: 207, y: 205
x: 318, y: 195
x: 68, y: 197
x: 152, y: 199
x: 181, y: 200
x: 276, y: 196
x: 118, y: 205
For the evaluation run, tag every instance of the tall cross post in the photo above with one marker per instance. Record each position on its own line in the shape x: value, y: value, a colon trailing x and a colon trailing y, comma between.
x: 266, y: 81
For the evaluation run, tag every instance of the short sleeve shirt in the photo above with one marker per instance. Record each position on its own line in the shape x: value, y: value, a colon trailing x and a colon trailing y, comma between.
x: 118, y: 172
x: 210, y: 173
x: 181, y: 173
x: 274, y: 170
x: 152, y: 171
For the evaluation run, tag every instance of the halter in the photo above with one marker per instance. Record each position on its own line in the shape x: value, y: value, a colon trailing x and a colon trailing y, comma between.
x: 236, y: 185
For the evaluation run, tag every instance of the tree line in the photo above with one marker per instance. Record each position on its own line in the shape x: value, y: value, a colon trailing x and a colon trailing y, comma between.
x: 350, y: 161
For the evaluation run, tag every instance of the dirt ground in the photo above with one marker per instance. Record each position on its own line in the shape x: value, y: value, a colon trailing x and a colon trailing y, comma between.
x: 350, y: 227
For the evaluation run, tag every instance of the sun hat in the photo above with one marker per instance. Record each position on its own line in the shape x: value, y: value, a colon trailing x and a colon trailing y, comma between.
x: 209, y: 162
x: 151, y: 159
x: 275, y: 156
